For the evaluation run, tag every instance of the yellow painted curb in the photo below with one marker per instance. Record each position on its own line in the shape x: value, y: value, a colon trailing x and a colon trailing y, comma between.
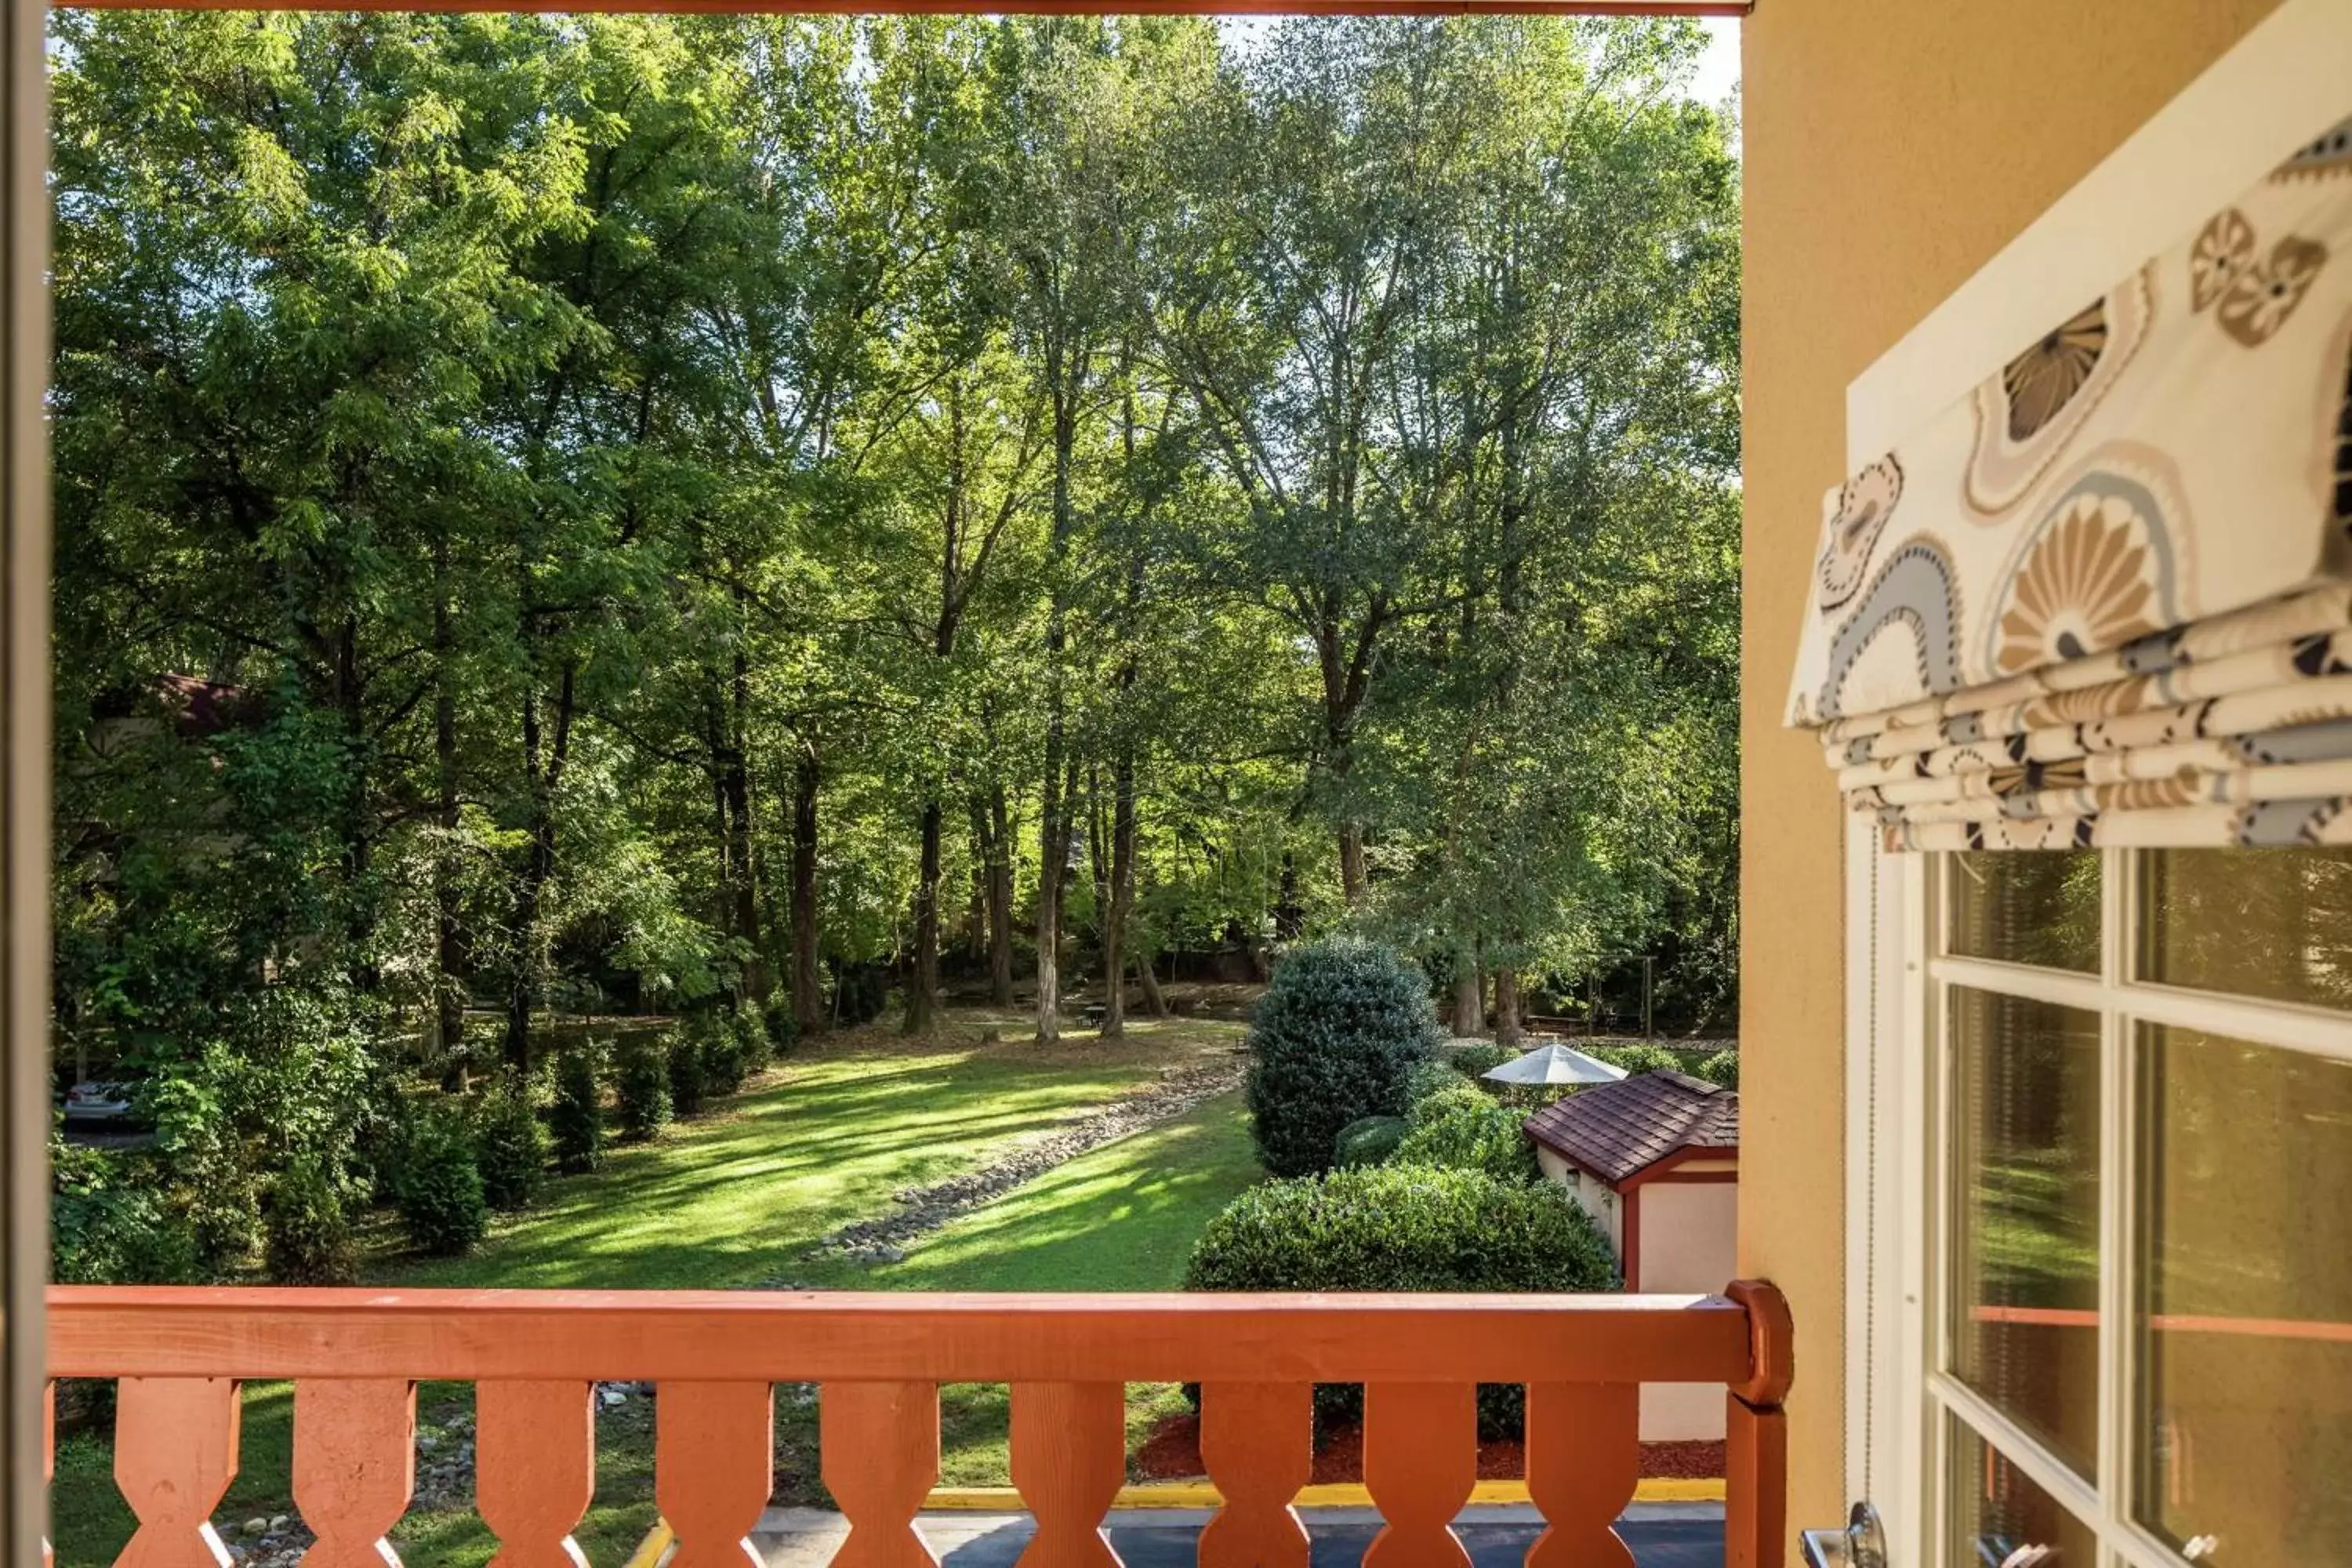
x: 1344, y: 1494
x: 650, y: 1548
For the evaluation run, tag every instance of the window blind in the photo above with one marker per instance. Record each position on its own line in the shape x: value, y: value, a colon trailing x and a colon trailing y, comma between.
x: 2106, y: 597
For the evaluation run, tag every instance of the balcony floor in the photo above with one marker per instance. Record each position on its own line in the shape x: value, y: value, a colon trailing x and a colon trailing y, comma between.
x: 1662, y: 1535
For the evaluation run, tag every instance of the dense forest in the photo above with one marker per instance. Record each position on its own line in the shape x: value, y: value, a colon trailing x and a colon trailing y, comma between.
x: 590, y: 514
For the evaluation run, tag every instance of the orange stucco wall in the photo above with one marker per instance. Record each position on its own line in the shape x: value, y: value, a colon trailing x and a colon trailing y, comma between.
x: 1892, y: 147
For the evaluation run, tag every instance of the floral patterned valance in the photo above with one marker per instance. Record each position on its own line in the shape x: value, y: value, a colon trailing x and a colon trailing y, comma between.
x: 2106, y: 597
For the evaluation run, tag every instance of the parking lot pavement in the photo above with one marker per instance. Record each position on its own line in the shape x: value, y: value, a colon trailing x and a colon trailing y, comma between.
x: 1662, y: 1535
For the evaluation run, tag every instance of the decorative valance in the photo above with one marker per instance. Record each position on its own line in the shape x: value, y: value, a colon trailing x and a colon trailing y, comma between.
x: 2106, y: 597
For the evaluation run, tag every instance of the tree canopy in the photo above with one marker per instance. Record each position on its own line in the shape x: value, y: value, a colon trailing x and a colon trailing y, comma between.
x: 663, y: 510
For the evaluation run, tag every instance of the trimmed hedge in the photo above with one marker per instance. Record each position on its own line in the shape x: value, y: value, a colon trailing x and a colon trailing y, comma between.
x: 1403, y: 1227
x: 576, y: 1119
x: 1473, y: 1061
x: 1331, y: 1042
x: 641, y: 1089
x: 1450, y: 1099
x: 1369, y: 1141
x: 1723, y: 1067
x: 685, y: 1074
x: 306, y: 1234
x: 1485, y: 1137
x: 441, y: 1204
x: 509, y: 1145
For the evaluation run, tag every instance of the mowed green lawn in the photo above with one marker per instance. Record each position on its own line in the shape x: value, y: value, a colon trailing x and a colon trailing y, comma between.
x: 742, y: 1196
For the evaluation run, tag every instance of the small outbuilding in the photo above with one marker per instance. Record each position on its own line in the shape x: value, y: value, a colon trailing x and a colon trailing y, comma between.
x: 1655, y: 1161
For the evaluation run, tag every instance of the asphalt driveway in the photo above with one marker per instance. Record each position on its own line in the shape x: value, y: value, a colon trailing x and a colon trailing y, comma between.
x: 1663, y: 1535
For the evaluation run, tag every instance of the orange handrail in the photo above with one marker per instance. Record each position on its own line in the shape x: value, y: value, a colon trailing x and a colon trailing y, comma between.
x: 355, y: 1356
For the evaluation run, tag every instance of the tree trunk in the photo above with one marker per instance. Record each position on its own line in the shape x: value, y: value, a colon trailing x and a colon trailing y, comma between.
x: 544, y: 758
x: 808, y: 1013
x: 1122, y: 898
x: 1506, y: 1007
x: 1469, y: 997
x: 1353, y: 882
x: 992, y: 833
x: 1153, y: 997
x: 452, y: 951
x: 923, y: 988
x: 743, y: 869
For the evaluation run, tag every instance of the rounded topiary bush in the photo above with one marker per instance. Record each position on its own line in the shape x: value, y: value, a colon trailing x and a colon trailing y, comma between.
x: 1331, y: 1042
x: 306, y: 1233
x: 641, y: 1088
x: 724, y: 1047
x: 576, y: 1119
x: 441, y: 1204
x: 1723, y: 1067
x: 1473, y: 1062
x: 686, y: 1073
x: 1446, y: 1099
x: 1369, y: 1141
x: 1481, y: 1137
x: 509, y: 1145
x: 1403, y: 1227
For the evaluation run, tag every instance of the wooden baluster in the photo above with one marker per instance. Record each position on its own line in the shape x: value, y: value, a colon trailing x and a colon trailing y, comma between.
x: 880, y: 1445
x: 1258, y: 1442
x: 175, y: 1455
x: 1756, y: 1485
x: 536, y: 1468
x: 1420, y: 1461
x: 354, y: 1465
x: 49, y: 1457
x: 714, y: 1464
x: 1584, y: 1459
x: 1069, y: 1458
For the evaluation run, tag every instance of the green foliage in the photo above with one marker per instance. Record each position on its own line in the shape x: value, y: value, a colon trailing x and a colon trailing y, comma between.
x: 1452, y: 1098
x: 107, y: 1227
x: 641, y: 1087
x: 1369, y: 1141
x: 1472, y: 1061
x: 1722, y: 1068
x: 576, y: 1121
x: 1403, y: 1227
x: 308, y: 1234
x: 725, y: 1048
x: 511, y: 1146
x: 1331, y: 1042
x: 776, y: 1019
x: 1637, y: 1060
x: 686, y: 1073
x: 442, y: 1207
x: 1481, y: 1137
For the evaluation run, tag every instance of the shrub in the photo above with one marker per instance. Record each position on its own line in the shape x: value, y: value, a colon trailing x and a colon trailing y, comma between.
x: 107, y: 1228
x: 1403, y: 1227
x: 686, y: 1073
x: 306, y: 1234
x: 777, y: 1019
x: 509, y: 1145
x: 441, y: 1204
x: 1369, y: 1141
x: 728, y: 1042
x: 751, y: 1037
x: 1637, y: 1060
x: 1473, y: 1061
x: 1425, y: 1079
x: 641, y: 1088
x: 1331, y: 1042
x: 576, y: 1119
x: 1723, y: 1067
x: 1481, y: 1137
x: 1448, y: 1099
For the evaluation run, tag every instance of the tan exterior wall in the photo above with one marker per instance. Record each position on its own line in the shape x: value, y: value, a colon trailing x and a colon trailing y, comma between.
x: 1686, y: 1245
x: 1892, y: 147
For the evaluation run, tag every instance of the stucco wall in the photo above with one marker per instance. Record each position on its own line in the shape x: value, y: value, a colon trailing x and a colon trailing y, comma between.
x: 1686, y: 1245
x: 1892, y: 147
x: 1595, y: 1199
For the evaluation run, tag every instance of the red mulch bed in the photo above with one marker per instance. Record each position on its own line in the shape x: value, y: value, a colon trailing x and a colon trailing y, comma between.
x: 1172, y: 1452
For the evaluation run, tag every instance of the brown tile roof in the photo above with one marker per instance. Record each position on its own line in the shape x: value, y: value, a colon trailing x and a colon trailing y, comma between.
x: 1618, y: 1130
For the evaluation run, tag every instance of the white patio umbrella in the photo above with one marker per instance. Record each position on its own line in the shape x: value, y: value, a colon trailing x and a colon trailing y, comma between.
x: 1553, y: 1064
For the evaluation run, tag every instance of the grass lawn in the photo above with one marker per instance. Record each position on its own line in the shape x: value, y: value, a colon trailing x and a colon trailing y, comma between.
x: 742, y: 1194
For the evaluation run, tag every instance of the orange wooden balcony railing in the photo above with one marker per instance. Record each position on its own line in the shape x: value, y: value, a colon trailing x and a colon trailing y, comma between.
x: 355, y: 1357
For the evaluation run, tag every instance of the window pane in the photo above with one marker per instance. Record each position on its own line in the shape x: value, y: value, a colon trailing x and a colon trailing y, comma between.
x: 2275, y: 923
x: 2025, y: 1215
x: 2027, y: 909
x: 1998, y: 1517
x: 2243, y: 1436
